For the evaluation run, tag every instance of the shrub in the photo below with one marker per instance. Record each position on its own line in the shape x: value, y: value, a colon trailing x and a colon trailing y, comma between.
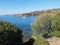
x: 10, y: 34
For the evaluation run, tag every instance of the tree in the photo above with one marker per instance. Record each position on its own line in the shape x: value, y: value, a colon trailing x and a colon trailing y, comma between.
x: 41, y: 24
x: 46, y: 24
x: 55, y: 24
x: 41, y: 27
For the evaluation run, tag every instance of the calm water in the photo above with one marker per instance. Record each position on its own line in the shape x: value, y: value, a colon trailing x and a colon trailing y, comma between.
x: 23, y: 23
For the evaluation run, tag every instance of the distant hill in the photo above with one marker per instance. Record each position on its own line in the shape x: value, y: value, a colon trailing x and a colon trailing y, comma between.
x: 36, y: 13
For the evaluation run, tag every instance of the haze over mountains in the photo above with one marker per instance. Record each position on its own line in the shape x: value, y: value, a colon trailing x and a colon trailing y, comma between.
x: 36, y: 13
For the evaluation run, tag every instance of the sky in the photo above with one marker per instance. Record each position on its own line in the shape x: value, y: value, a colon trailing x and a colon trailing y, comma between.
x: 24, y: 6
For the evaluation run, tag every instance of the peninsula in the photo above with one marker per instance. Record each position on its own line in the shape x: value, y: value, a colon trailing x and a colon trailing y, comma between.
x: 36, y: 13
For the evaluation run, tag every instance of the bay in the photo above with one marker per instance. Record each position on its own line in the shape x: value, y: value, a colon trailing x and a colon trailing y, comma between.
x: 22, y: 22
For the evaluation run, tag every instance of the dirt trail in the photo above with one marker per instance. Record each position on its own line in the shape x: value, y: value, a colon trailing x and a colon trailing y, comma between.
x: 54, y: 41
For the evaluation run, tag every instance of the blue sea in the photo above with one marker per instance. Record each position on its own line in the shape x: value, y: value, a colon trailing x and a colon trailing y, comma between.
x: 23, y: 23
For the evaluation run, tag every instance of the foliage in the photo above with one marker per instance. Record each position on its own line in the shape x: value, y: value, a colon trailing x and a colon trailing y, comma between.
x: 41, y: 24
x: 55, y: 24
x: 7, y: 26
x: 40, y: 41
x: 46, y: 23
x: 10, y: 34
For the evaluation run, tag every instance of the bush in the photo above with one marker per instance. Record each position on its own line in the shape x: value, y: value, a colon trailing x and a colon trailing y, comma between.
x: 10, y: 34
x: 40, y: 41
x: 46, y: 24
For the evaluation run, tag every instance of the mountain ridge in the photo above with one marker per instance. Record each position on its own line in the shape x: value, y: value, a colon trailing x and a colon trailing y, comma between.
x: 36, y: 13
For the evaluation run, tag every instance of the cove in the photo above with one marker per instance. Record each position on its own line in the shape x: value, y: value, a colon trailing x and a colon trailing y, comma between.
x: 23, y: 23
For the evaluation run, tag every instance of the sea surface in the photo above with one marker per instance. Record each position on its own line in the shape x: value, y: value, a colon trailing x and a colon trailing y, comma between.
x: 23, y: 23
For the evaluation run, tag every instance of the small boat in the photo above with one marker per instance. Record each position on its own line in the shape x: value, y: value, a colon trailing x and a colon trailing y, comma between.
x: 23, y: 17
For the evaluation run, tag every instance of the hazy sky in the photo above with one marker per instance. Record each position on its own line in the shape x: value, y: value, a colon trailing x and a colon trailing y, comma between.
x: 22, y: 6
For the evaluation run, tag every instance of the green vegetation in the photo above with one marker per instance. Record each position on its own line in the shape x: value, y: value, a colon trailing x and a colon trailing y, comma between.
x: 7, y: 26
x: 10, y: 34
x: 55, y: 24
x: 40, y: 41
x: 48, y: 23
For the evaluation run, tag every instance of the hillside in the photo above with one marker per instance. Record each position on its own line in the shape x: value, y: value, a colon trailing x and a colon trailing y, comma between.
x: 36, y: 13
